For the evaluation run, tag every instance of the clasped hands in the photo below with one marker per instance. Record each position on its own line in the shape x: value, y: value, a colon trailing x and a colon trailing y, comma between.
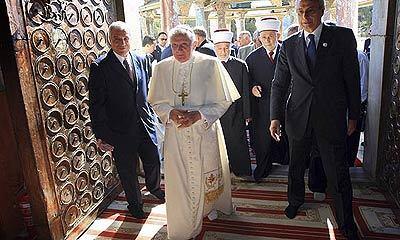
x: 184, y: 118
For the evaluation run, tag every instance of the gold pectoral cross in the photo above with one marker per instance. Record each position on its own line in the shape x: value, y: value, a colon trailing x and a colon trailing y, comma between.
x: 183, y: 95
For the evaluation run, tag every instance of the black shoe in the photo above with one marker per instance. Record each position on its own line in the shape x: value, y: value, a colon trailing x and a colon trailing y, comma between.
x: 160, y: 195
x: 258, y: 180
x: 291, y: 211
x: 137, y: 212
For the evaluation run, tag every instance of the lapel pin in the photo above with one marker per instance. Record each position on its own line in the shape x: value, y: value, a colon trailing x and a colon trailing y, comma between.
x: 324, y: 44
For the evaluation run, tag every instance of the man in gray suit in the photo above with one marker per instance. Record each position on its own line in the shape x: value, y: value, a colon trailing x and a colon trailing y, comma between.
x: 246, y: 45
x: 320, y: 64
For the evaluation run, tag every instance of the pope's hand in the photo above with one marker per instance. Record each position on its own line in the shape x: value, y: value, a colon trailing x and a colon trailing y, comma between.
x: 275, y: 130
x: 188, y: 119
x: 256, y: 90
x: 176, y: 115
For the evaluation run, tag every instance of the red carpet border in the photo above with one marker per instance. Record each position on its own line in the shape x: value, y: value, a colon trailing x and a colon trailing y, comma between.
x: 259, y: 215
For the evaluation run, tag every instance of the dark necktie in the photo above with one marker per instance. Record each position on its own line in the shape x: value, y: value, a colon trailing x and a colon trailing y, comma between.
x: 311, y: 52
x: 270, y: 55
x: 128, y: 68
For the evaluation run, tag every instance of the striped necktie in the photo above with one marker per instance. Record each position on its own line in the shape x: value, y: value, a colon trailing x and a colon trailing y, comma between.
x: 271, y: 56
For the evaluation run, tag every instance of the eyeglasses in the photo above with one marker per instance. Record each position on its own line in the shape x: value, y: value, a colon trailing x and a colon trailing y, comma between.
x: 163, y: 39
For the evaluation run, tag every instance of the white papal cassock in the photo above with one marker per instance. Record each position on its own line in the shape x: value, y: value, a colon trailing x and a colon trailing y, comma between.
x: 197, y: 178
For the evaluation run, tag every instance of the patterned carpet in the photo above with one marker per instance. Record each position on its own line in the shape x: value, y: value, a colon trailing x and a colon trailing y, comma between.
x: 259, y: 215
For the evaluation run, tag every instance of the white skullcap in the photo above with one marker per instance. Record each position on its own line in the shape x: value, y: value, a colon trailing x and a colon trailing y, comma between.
x: 269, y: 24
x: 222, y: 35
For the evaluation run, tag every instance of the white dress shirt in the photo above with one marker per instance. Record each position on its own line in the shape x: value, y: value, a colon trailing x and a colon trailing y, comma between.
x: 121, y: 59
x: 317, y: 35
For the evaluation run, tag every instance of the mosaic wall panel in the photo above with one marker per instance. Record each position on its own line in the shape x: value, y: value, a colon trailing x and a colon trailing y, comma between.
x: 389, y: 170
x: 65, y: 36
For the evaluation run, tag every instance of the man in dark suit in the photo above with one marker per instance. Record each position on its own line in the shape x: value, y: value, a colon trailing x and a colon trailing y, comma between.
x: 148, y: 49
x: 261, y: 63
x: 202, y: 44
x: 166, y: 53
x: 320, y: 64
x: 233, y: 122
x: 162, y: 40
x: 121, y: 118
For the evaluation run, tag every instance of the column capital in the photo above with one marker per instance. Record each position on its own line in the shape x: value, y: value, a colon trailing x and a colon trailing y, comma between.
x: 199, y: 3
x: 184, y: 8
x: 220, y: 7
x: 241, y: 14
x: 276, y: 2
x: 147, y: 14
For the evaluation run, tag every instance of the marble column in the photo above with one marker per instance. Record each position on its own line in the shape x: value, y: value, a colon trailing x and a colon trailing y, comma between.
x: 330, y: 11
x: 150, y: 24
x: 380, y: 75
x: 221, y: 7
x: 135, y: 21
x: 280, y: 17
x: 143, y: 23
x: 207, y: 21
x: 213, y: 24
x: 228, y: 22
x: 240, y: 22
x: 200, y: 17
x: 347, y: 14
x: 169, y: 14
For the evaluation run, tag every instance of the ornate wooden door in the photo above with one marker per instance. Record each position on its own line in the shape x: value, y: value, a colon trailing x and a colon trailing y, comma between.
x: 57, y: 43
x: 388, y: 172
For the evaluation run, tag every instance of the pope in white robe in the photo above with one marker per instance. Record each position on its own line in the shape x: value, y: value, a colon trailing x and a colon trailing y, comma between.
x: 197, y: 177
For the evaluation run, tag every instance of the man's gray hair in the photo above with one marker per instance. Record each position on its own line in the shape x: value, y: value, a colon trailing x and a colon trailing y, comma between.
x: 182, y: 30
x: 200, y: 30
x: 119, y: 25
x: 321, y: 3
x: 245, y: 33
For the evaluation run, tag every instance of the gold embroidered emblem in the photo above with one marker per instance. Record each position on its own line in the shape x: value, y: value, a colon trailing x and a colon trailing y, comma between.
x: 214, y: 185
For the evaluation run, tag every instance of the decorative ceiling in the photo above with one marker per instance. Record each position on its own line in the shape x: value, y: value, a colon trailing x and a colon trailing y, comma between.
x: 247, y: 8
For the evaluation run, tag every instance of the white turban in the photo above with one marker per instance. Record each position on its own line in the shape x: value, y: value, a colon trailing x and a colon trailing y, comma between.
x: 222, y: 35
x: 269, y: 24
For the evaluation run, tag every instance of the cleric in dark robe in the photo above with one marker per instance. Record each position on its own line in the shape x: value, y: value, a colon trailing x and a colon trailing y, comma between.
x: 234, y: 120
x: 261, y: 64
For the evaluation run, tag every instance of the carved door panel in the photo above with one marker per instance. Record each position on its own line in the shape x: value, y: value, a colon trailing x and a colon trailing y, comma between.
x: 389, y: 168
x: 64, y: 37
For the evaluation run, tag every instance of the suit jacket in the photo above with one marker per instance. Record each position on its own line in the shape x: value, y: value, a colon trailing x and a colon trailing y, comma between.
x: 244, y: 51
x: 206, y: 48
x: 117, y: 104
x: 157, y: 53
x: 329, y: 95
x: 261, y: 71
x: 167, y: 52
x: 148, y: 58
